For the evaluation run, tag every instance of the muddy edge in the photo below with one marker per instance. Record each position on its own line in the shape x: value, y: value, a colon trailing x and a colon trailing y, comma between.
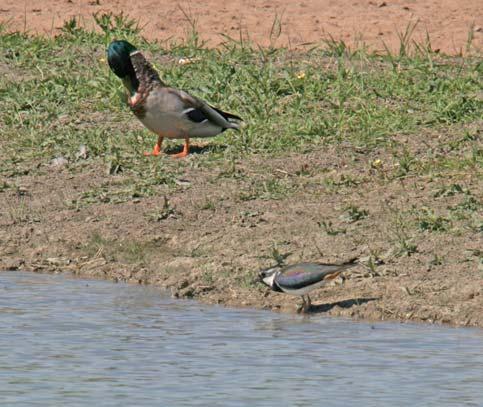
x: 207, y: 241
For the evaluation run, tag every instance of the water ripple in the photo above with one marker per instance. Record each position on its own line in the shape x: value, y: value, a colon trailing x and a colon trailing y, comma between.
x: 67, y: 341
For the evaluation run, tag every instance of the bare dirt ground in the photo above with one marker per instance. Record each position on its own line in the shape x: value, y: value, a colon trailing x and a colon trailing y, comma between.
x: 210, y: 240
x: 373, y: 22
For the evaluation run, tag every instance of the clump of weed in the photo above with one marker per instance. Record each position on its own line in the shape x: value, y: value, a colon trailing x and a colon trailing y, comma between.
x: 124, y: 251
x: 352, y: 214
x: 167, y: 211
x: 437, y: 260
x: 329, y: 229
x: 71, y: 26
x: 429, y: 221
x: 405, y: 163
x: 266, y: 189
x: 207, y: 278
x: 208, y: 205
x: 450, y: 190
x: 278, y: 256
x: 120, y: 25
x: 334, y: 183
x: 399, y: 230
x: 469, y: 203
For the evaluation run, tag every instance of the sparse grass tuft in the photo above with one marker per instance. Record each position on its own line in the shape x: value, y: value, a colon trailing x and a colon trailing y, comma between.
x: 329, y: 229
x: 163, y: 213
x: 126, y: 251
x: 429, y: 221
x: 404, y: 244
x: 119, y: 25
x: 353, y: 214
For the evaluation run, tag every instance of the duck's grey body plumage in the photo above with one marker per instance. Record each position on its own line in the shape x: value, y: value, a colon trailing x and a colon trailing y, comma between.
x: 171, y: 112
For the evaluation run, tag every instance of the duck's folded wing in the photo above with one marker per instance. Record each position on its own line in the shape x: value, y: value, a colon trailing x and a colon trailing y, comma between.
x: 198, y: 111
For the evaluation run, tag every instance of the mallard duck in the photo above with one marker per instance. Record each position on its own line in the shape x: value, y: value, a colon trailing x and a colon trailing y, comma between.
x: 166, y: 111
x: 301, y: 278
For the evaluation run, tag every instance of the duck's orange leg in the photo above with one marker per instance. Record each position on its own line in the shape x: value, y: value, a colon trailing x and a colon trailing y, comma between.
x: 157, y: 147
x: 186, y: 149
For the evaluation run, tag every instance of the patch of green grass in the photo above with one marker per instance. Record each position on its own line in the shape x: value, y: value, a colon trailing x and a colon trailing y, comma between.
x: 19, y: 212
x: 266, y: 189
x: 469, y: 203
x: 278, y: 256
x: 247, y: 281
x: 58, y: 93
x: 468, y: 211
x: 436, y: 260
x: 207, y: 278
x: 358, y: 98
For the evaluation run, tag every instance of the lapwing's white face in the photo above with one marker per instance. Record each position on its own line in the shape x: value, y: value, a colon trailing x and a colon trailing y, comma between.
x: 268, y: 276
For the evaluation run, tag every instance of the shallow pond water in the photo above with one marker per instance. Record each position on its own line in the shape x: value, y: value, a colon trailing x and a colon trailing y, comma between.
x: 74, y: 342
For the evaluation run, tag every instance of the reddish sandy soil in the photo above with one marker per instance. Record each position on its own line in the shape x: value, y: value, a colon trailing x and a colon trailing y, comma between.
x: 373, y: 22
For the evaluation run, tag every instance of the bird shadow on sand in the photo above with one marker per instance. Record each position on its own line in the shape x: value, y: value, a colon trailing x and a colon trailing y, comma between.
x: 319, y: 308
x: 195, y: 149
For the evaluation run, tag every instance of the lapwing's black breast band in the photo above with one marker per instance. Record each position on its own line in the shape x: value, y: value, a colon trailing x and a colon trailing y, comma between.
x: 276, y: 288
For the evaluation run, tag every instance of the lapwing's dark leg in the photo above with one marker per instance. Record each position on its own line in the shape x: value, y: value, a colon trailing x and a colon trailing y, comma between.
x: 309, y: 303
x: 301, y: 307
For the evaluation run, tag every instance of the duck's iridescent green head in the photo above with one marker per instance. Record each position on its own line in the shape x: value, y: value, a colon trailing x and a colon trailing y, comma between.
x: 120, y: 63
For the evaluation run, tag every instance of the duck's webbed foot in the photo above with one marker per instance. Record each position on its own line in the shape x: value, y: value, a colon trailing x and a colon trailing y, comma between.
x: 186, y: 150
x: 157, y: 148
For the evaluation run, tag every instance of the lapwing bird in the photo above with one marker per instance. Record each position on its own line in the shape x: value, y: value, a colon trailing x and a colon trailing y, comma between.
x: 166, y: 111
x: 302, y: 278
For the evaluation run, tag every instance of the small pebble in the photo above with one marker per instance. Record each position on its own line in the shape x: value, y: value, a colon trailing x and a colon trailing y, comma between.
x: 59, y: 162
x: 82, y: 153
